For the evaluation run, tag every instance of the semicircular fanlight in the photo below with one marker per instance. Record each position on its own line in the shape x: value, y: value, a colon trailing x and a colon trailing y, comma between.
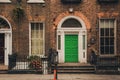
x: 4, y: 24
x: 71, y: 23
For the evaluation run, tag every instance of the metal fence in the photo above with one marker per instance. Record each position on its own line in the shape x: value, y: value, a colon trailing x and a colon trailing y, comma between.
x: 27, y: 64
x: 108, y: 63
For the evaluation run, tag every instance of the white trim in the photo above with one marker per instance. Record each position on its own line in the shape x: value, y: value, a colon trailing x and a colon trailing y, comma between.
x: 43, y: 37
x: 80, y: 32
x: 8, y: 41
x: 75, y: 17
x: 115, y: 33
x: 35, y: 1
x: 5, y: 1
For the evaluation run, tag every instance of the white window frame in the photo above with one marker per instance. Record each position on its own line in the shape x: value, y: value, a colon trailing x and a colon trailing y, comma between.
x: 35, y: 1
x: 43, y: 38
x: 115, y: 22
x: 5, y: 1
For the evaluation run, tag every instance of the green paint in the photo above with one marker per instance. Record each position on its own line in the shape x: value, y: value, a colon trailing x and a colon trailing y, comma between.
x: 71, y: 48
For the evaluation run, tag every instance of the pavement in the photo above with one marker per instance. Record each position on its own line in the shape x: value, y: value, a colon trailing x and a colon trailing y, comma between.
x: 60, y: 77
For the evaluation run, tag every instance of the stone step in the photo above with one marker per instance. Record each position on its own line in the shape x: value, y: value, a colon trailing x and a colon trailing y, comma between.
x: 74, y: 68
x: 75, y: 71
x: 3, y: 69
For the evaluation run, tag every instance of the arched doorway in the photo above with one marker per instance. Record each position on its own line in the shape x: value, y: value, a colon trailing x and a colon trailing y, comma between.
x: 72, y: 40
x: 5, y: 40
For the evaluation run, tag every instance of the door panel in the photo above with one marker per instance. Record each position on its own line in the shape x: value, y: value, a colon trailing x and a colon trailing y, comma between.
x: 1, y: 48
x: 71, y: 48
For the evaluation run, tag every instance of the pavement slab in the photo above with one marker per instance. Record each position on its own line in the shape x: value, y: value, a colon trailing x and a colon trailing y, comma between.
x: 60, y: 77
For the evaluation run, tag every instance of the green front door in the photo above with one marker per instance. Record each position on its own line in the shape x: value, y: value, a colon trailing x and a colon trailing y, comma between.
x: 71, y: 48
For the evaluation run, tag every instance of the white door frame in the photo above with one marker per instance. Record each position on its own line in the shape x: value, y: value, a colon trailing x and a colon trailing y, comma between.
x: 81, y: 32
x: 8, y: 41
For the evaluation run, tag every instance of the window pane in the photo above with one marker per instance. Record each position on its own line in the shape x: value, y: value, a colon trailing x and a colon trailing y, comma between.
x: 102, y: 32
x: 102, y: 23
x: 71, y: 23
x: 112, y: 23
x: 59, y: 42
x: 106, y: 41
x: 111, y: 31
x: 36, y: 38
x: 4, y: 24
x: 102, y: 42
x: 107, y: 49
x: 106, y: 23
x: 111, y: 49
x: 102, y: 49
x: 83, y: 41
x: 107, y: 31
x: 111, y: 41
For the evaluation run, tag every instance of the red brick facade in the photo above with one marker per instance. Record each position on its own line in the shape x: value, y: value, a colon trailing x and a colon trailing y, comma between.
x: 51, y: 13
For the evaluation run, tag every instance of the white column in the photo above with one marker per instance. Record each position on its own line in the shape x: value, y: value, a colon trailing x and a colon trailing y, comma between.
x: 7, y: 47
x: 80, y: 55
x: 61, y: 51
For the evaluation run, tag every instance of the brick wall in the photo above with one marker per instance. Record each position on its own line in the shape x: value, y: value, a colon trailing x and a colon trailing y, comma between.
x: 53, y: 11
x: 89, y: 11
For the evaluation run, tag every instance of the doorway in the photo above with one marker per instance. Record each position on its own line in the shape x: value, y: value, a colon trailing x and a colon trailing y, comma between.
x: 72, y: 40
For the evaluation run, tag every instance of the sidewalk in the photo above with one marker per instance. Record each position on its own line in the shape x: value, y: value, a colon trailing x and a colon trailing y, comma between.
x: 60, y: 77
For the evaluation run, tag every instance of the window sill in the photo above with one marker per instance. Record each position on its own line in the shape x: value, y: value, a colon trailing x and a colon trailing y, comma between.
x: 35, y: 1
x: 3, y: 1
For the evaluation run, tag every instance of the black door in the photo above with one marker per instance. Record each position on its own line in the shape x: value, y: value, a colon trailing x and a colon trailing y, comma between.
x: 1, y: 48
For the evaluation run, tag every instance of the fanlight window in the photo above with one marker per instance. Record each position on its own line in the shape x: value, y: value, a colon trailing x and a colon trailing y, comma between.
x: 71, y: 23
x: 4, y: 24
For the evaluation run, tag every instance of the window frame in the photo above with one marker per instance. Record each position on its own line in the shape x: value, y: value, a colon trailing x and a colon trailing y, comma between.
x: 30, y: 50
x: 115, y: 22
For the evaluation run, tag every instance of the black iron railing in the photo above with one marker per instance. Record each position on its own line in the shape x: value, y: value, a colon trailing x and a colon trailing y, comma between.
x: 52, y: 59
x: 27, y: 64
x: 108, y: 63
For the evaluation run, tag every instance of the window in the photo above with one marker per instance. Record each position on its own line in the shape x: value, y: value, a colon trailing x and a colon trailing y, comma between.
x: 84, y: 42
x: 4, y: 24
x: 5, y: 1
x: 107, y: 36
x: 71, y: 23
x: 37, y: 38
x: 36, y: 1
x: 59, y: 42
